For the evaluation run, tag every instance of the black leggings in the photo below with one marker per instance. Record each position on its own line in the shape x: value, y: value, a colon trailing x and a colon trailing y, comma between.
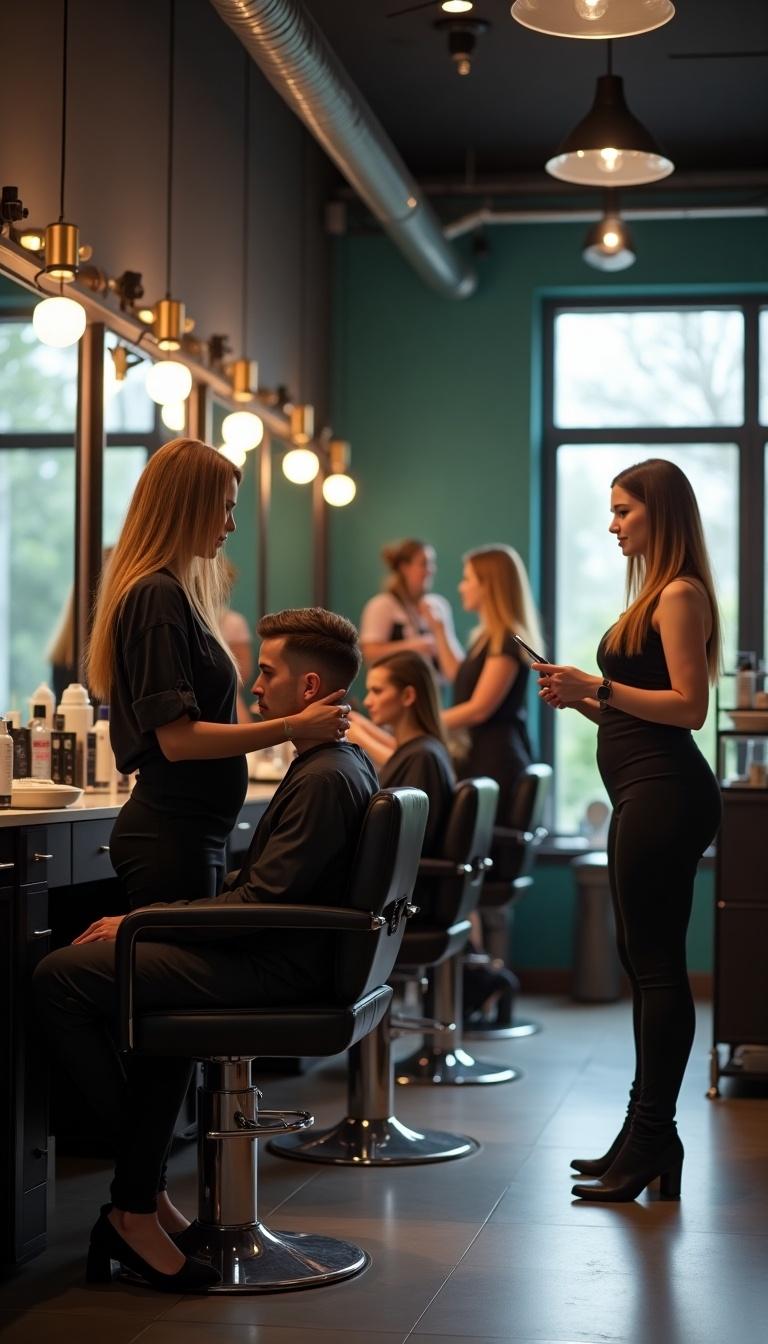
x: 137, y: 1097
x: 659, y: 830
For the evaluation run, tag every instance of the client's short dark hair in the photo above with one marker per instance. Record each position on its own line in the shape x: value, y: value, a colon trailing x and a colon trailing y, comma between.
x: 313, y: 634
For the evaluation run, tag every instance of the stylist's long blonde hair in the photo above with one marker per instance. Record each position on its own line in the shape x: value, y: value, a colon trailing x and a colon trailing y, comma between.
x: 508, y: 605
x: 171, y: 518
x: 676, y: 550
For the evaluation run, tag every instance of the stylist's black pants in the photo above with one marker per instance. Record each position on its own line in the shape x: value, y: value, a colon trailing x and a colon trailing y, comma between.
x: 137, y: 1097
x: 659, y: 830
x: 163, y: 856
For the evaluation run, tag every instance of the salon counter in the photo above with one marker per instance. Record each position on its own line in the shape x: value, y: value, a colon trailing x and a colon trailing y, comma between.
x: 49, y: 863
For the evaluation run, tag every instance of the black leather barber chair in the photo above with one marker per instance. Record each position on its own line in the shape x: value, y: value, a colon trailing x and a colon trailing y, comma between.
x: 368, y: 931
x: 429, y: 945
x: 447, y: 892
x: 514, y: 854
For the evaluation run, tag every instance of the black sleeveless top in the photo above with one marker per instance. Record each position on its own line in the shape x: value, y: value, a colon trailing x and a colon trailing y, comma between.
x: 629, y: 749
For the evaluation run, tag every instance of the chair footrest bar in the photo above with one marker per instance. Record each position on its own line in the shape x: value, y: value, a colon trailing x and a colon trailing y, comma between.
x: 424, y: 1026
x: 276, y: 1123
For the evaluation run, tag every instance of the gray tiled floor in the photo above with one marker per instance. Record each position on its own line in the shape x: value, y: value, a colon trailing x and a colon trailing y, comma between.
x: 485, y: 1250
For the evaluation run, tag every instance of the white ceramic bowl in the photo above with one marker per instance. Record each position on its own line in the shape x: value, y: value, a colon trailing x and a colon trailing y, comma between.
x: 43, y: 793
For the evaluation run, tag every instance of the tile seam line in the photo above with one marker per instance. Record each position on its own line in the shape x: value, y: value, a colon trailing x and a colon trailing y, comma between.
x: 449, y: 1276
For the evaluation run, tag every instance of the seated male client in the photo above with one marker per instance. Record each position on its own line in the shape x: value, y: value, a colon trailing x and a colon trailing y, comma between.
x: 302, y: 852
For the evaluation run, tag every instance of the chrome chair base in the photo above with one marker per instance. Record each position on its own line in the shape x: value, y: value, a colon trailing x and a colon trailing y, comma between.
x: 514, y: 1032
x: 451, y: 1068
x: 373, y: 1143
x: 255, y: 1260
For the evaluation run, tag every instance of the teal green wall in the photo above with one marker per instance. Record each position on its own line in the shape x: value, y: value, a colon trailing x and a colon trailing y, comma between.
x: 440, y: 400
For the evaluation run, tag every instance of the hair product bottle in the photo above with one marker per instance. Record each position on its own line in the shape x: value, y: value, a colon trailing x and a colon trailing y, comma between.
x: 40, y: 744
x: 78, y: 719
x: 6, y: 765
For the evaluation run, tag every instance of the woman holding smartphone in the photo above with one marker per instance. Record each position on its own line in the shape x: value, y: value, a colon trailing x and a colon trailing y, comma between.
x: 655, y: 664
x: 490, y: 680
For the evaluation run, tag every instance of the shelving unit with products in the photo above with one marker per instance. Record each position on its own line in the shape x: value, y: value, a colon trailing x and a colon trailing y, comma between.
x: 740, y: 1003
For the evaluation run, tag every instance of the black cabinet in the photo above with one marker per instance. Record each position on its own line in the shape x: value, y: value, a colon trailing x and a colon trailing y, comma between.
x: 25, y: 938
x: 740, y: 1006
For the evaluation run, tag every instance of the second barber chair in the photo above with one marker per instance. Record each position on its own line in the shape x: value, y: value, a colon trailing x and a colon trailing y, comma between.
x: 370, y: 1134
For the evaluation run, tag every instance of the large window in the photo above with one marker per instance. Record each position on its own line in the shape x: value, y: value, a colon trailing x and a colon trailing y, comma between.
x: 678, y: 381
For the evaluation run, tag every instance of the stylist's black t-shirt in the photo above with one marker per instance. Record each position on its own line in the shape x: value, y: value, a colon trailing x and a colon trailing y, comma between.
x: 167, y: 665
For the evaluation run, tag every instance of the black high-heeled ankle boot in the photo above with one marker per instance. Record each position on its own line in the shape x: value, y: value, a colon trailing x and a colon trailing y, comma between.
x: 639, y: 1163
x: 107, y: 1245
x: 598, y: 1166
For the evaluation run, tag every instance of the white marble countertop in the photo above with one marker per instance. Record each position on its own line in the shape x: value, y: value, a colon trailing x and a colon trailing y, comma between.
x: 98, y: 806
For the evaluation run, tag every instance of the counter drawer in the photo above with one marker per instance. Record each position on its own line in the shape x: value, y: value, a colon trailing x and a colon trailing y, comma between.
x: 90, y: 850
x: 7, y: 856
x: 48, y: 854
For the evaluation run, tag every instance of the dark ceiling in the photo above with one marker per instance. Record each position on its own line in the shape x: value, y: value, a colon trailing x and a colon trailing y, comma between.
x: 526, y: 90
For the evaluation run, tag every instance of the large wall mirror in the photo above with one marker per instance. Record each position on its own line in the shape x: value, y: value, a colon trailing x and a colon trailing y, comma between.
x: 38, y: 409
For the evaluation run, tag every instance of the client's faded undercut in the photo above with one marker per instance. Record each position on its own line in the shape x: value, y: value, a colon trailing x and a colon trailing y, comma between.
x: 318, y: 639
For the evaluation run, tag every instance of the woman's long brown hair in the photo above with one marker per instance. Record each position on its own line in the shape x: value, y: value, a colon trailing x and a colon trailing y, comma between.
x: 170, y: 520
x: 676, y: 550
x: 508, y: 605
x: 410, y: 669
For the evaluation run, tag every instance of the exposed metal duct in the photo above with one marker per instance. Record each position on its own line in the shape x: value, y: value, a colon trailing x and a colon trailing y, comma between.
x: 287, y: 45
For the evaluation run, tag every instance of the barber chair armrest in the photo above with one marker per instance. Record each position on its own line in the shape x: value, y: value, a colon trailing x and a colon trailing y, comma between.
x: 205, y: 921
x: 508, y: 835
x: 444, y: 868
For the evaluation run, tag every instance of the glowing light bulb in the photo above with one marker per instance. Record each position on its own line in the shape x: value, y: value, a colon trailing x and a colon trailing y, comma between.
x: 243, y: 430
x: 590, y: 9
x: 611, y: 238
x: 168, y: 381
x: 59, y: 322
x: 301, y: 465
x: 339, y: 489
x: 457, y: 6
x: 611, y: 160
x: 233, y: 454
x: 174, y: 416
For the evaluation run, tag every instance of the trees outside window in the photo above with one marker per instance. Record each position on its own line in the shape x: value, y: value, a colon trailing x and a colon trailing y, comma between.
x: 623, y: 384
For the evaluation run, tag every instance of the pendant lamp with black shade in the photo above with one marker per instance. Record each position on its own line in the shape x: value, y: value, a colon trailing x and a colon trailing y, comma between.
x: 60, y: 321
x: 609, y: 147
x: 169, y: 380
x: 608, y: 245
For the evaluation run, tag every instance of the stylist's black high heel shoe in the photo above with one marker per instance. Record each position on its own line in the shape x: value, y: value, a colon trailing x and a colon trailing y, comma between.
x: 107, y: 1245
x: 598, y: 1166
x: 637, y: 1165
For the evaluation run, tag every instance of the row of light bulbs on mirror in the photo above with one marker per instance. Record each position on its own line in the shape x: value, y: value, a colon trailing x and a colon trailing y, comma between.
x: 61, y: 321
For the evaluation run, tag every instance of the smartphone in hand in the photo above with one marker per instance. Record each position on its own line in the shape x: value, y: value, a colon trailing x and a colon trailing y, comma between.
x: 534, y: 657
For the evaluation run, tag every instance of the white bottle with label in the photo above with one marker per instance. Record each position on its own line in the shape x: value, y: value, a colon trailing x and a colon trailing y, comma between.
x: 6, y: 765
x: 104, y: 764
x: 43, y: 696
x: 77, y: 712
x: 39, y: 744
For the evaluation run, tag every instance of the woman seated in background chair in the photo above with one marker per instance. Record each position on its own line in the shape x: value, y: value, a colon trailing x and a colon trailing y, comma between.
x: 401, y: 696
x: 405, y: 738
x: 397, y: 619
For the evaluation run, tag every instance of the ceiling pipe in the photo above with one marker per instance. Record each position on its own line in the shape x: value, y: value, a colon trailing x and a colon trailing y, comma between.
x: 477, y: 219
x: 299, y: 63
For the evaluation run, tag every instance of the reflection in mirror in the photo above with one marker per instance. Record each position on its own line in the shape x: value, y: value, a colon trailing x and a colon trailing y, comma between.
x: 38, y: 395
x: 242, y: 550
x: 289, y: 553
x: 133, y: 431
